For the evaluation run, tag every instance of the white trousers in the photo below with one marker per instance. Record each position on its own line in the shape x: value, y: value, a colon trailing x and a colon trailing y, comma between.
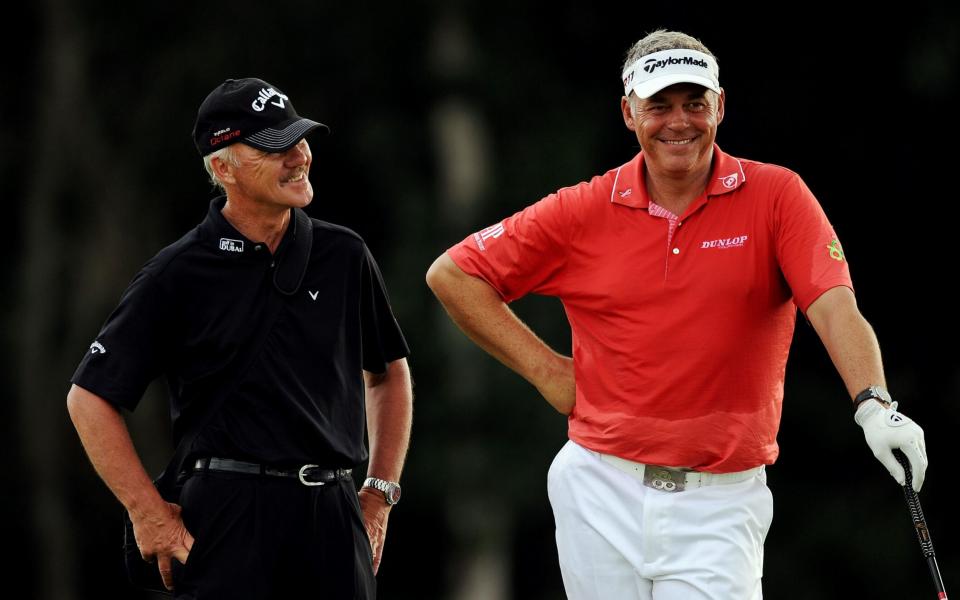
x: 618, y: 539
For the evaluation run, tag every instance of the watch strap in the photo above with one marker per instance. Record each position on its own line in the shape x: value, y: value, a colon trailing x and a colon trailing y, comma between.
x: 873, y: 392
x: 383, y: 486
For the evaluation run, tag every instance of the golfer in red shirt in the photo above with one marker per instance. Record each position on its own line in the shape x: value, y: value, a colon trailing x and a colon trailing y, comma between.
x: 681, y: 273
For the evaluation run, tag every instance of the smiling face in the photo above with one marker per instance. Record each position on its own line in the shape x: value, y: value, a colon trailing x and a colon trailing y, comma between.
x: 269, y: 179
x: 676, y: 128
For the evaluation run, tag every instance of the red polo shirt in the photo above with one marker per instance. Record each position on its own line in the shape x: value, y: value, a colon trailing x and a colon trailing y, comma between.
x: 680, y: 332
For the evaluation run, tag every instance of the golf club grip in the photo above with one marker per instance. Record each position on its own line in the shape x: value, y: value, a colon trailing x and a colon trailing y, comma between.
x: 920, y: 524
x: 913, y: 502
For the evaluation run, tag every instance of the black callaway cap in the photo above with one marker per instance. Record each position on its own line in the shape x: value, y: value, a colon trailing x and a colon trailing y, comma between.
x: 250, y: 111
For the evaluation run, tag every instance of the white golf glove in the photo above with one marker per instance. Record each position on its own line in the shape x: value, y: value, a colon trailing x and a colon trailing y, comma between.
x: 886, y: 430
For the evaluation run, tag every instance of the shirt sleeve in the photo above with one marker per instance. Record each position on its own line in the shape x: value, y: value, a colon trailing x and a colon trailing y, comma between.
x: 131, y: 349
x: 525, y: 253
x: 383, y: 341
x: 808, y: 250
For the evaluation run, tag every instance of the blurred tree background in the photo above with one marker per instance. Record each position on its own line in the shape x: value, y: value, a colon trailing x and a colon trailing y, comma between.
x: 446, y: 117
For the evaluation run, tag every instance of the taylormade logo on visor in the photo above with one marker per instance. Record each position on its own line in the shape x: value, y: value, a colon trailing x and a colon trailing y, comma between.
x: 653, y: 64
x: 652, y: 72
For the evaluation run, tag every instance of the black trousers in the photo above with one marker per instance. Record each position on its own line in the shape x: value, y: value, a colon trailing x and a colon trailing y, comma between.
x: 261, y: 538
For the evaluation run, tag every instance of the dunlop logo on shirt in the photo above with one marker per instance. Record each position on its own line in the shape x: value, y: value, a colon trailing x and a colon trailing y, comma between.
x: 726, y: 243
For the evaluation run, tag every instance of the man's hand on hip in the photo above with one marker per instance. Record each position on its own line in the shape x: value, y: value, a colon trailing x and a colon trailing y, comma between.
x: 163, y: 536
x: 376, y: 511
x: 887, y: 430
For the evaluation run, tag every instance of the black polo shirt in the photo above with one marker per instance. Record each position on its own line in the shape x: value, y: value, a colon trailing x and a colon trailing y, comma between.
x: 197, y: 312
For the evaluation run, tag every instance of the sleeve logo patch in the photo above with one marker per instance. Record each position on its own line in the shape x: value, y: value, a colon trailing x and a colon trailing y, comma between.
x: 836, y: 251
x: 97, y: 348
x: 494, y: 231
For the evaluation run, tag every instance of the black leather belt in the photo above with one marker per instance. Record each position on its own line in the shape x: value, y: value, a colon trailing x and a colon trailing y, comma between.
x: 307, y: 474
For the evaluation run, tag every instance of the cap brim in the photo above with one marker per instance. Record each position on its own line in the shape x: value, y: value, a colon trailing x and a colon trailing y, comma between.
x: 282, y: 139
x: 651, y: 87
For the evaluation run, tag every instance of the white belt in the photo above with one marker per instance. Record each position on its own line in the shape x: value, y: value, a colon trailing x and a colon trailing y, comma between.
x: 673, y: 479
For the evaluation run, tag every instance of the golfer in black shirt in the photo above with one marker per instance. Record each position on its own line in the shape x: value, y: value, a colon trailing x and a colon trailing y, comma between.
x: 278, y: 326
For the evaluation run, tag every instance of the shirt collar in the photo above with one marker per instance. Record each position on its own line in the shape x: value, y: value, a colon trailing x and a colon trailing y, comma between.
x: 630, y: 186
x: 225, y: 239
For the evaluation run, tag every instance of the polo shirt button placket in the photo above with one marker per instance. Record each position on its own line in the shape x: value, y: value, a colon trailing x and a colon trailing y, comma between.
x: 259, y: 248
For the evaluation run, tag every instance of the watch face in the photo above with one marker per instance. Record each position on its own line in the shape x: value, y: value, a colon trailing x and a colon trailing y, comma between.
x: 393, y: 493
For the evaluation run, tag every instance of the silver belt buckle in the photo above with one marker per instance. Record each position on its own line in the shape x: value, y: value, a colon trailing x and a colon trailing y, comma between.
x: 302, y: 475
x: 664, y: 479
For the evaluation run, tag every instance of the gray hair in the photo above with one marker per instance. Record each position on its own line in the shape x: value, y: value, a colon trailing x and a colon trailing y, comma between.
x: 659, y: 40
x: 225, y: 154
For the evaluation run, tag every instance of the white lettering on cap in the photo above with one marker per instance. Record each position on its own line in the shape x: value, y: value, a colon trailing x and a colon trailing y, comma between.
x: 651, y: 73
x: 264, y: 95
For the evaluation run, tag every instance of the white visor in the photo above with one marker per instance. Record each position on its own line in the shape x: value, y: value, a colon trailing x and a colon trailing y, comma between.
x: 651, y: 73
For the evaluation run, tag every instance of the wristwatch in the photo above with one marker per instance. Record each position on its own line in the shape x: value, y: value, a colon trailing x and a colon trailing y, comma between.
x: 874, y: 391
x: 390, y: 489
